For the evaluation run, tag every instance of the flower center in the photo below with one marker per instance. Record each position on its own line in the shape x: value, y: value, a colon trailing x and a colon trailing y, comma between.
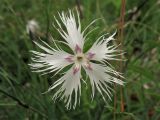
x: 80, y: 58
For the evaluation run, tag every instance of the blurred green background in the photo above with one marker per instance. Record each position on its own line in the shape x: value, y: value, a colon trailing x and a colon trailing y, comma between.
x: 21, y: 90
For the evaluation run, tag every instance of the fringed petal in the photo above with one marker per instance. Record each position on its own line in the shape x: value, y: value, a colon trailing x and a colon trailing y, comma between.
x: 102, y: 51
x: 101, y: 77
x: 69, y: 88
x: 50, y: 61
x: 73, y: 36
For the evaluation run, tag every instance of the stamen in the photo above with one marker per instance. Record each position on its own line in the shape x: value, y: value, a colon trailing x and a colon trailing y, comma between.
x: 79, y: 58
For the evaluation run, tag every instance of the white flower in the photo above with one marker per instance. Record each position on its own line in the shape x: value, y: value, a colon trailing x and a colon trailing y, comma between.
x: 100, y: 72
x: 32, y: 26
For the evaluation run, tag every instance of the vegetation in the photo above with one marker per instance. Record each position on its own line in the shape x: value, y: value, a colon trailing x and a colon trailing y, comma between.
x: 21, y: 90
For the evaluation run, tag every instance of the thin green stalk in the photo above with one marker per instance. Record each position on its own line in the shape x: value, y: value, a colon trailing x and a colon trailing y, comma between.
x: 24, y: 105
x: 121, y: 37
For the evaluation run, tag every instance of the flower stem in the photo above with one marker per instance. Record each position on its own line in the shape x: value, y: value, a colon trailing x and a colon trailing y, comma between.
x: 78, y: 2
x: 121, y: 37
x: 115, y: 102
x: 24, y: 105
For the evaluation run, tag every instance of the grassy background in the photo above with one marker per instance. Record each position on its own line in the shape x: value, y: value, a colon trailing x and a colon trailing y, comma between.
x: 141, y: 70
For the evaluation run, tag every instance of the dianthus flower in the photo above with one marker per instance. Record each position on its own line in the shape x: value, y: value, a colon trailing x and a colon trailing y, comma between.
x: 95, y: 62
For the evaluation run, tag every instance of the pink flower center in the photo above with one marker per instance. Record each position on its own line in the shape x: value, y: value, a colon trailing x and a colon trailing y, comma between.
x: 90, y: 55
x: 78, y: 49
x: 75, y: 70
x: 69, y: 59
x: 80, y: 59
x: 88, y: 66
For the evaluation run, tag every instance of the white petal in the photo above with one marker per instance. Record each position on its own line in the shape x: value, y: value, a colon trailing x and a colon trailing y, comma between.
x: 73, y: 36
x: 50, y: 61
x: 69, y: 84
x: 100, y: 78
x: 102, y: 51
